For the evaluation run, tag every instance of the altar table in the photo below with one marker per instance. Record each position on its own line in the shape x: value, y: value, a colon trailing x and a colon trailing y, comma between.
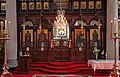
x: 103, y: 64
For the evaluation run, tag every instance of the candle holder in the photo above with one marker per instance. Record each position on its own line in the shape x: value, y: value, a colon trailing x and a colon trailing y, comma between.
x: 5, y: 66
x: 115, y: 72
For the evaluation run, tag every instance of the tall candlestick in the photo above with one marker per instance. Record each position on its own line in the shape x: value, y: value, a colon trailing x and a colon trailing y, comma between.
x: 115, y: 25
x: 111, y: 28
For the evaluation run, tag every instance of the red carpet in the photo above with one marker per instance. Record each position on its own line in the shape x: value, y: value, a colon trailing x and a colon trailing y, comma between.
x: 60, y: 69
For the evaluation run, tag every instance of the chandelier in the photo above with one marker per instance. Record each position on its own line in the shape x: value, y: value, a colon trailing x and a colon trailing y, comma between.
x: 60, y: 22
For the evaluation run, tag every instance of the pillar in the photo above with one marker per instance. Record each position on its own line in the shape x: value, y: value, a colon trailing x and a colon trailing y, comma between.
x: 112, y: 12
x: 11, y: 15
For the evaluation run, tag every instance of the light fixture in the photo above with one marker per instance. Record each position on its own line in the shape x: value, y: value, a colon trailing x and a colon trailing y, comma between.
x: 60, y: 22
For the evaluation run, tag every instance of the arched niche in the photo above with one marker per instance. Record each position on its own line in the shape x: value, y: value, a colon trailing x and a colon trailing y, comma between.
x: 95, y: 22
x: 26, y: 27
x: 80, y: 21
x: 43, y: 22
x: 95, y: 28
x: 27, y: 22
x: 42, y: 26
x: 80, y: 32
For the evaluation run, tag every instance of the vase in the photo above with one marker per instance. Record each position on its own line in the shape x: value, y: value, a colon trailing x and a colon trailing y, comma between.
x: 96, y: 56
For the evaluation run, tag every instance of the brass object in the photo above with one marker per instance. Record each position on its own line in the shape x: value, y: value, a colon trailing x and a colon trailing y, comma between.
x: 115, y: 72
x: 5, y: 66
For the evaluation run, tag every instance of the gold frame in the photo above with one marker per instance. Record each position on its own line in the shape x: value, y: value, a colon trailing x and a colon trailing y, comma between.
x: 38, y: 5
x: 38, y: 32
x: 24, y: 32
x: 3, y: 6
x: 76, y: 5
x: 91, y: 37
x: 83, y: 5
x: 24, y: 6
x: 31, y: 5
x: 98, y: 4
x: 45, y: 31
x: 91, y: 5
x: 118, y: 4
x: 46, y: 5
x: 78, y: 31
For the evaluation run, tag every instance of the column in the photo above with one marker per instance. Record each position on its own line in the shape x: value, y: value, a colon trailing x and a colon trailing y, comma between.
x: 112, y: 12
x: 11, y: 15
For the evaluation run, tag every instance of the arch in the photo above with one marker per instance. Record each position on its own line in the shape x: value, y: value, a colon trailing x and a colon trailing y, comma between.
x: 27, y: 22
x: 79, y: 21
x: 44, y: 22
x: 95, y: 22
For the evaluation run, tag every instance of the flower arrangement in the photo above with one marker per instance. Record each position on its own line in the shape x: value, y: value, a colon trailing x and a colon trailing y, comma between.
x: 96, y: 51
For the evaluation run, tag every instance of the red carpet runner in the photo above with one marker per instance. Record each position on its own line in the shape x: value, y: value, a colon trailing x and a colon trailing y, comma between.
x: 60, y: 69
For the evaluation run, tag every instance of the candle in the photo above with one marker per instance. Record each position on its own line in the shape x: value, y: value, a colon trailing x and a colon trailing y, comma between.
x: 115, y: 25
x: 8, y: 28
x: 111, y: 28
x: 5, y: 32
x: 1, y: 28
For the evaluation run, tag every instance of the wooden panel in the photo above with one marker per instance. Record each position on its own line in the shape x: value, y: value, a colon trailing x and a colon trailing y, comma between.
x: 39, y: 56
x: 24, y: 64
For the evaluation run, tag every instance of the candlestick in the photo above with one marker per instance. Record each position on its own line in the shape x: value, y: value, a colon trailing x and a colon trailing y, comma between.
x: 111, y: 28
x: 115, y: 25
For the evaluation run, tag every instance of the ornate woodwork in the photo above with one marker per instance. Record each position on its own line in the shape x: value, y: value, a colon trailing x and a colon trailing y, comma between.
x: 89, y: 16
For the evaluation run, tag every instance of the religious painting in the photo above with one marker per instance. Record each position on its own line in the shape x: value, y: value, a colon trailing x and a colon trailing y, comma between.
x: 118, y: 4
x: 3, y: 6
x: 46, y: 5
x: 24, y: 6
x: 79, y: 37
x: 42, y: 38
x: 94, y: 37
x: 31, y: 5
x: 27, y: 38
x: 76, y: 5
x: 38, y: 5
x: 83, y: 5
x: 98, y: 4
x: 91, y: 5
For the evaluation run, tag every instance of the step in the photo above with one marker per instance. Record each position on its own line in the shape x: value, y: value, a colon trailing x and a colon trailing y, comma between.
x: 55, y: 71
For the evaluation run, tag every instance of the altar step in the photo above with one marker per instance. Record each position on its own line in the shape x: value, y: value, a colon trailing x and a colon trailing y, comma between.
x: 61, y: 67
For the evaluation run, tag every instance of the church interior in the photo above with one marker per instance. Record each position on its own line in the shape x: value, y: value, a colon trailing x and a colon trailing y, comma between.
x: 59, y: 38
